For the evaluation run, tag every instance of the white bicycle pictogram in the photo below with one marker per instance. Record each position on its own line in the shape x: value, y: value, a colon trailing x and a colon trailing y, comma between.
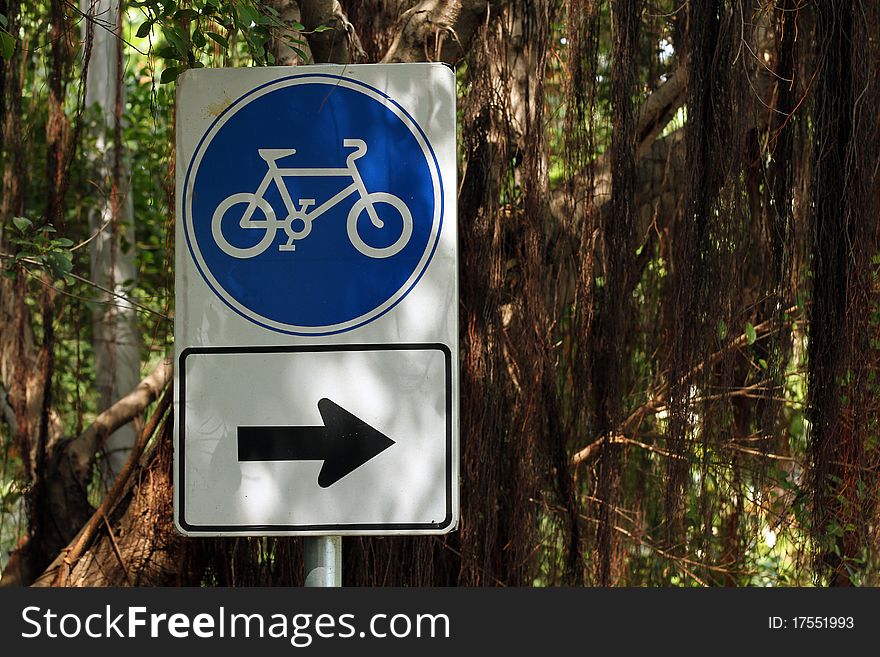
x: 298, y: 223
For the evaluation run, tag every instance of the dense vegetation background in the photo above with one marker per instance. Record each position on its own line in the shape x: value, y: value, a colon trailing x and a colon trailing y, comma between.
x: 669, y: 275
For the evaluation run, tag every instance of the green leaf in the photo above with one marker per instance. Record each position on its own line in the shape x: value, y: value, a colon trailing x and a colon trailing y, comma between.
x: 7, y: 44
x: 22, y: 223
x: 722, y: 329
x: 249, y: 15
x: 186, y: 14
x: 751, y: 336
x: 173, y: 36
x: 303, y: 56
x: 170, y: 74
x: 168, y: 7
x: 144, y: 29
x: 168, y: 52
x: 199, y: 39
x: 257, y: 40
x: 4, y: 22
x: 322, y: 28
x: 60, y: 263
x: 218, y: 38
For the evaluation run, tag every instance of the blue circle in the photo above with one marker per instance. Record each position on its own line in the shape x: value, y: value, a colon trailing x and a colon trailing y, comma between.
x: 356, y: 150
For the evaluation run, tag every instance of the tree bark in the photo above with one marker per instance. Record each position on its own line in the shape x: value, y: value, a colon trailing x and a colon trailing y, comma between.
x: 438, y: 30
x: 337, y: 45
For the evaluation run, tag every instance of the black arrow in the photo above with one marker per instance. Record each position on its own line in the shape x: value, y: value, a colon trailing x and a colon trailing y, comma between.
x: 344, y: 443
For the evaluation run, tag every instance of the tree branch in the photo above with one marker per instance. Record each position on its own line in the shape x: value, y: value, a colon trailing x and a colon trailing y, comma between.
x: 660, y: 108
x: 656, y: 403
x: 437, y: 30
x: 56, y: 573
x: 81, y: 450
x: 656, y: 113
x: 68, y: 472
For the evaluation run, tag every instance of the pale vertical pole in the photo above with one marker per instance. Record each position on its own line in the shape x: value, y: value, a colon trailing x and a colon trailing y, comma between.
x: 323, y: 561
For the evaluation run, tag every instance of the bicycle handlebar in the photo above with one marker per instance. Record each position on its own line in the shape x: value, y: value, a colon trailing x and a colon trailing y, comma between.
x: 360, y: 147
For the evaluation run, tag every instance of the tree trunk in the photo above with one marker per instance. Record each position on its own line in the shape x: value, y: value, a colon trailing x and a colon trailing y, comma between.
x: 116, y: 339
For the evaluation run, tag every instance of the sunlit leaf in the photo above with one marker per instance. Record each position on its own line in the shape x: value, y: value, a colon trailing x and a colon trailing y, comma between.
x: 22, y: 223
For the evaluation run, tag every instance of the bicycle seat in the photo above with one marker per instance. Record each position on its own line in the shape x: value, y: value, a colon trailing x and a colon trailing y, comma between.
x: 272, y: 154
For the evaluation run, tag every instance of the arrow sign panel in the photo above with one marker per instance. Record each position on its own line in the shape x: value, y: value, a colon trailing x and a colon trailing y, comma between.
x: 344, y: 443
x: 258, y: 452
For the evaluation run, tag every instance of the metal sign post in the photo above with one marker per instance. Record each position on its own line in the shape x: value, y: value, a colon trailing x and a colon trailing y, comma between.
x: 323, y: 561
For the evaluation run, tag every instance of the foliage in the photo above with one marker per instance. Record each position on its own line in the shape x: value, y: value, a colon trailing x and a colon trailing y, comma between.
x: 193, y: 33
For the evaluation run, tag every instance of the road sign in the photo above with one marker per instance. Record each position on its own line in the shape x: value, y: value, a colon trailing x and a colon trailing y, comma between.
x: 316, y: 301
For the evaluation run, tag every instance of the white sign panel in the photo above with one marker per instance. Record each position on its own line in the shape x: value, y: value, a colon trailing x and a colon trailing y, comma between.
x: 316, y: 301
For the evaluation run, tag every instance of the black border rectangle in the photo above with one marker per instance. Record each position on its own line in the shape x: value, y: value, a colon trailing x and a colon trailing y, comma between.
x: 442, y: 527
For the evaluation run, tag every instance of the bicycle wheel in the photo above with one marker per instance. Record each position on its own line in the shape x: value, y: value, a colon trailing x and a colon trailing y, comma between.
x: 374, y: 199
x: 267, y: 224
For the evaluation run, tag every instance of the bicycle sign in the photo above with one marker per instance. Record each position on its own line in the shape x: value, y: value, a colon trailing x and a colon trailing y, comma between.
x: 298, y: 223
x: 313, y: 204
